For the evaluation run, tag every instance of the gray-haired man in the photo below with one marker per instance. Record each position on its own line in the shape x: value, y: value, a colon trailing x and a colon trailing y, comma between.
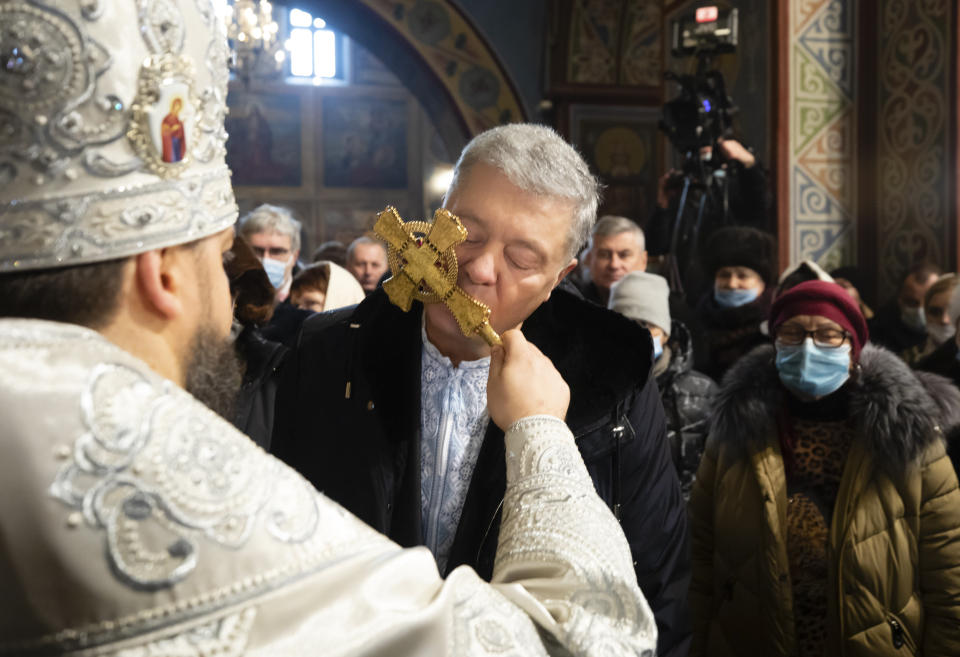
x: 367, y: 261
x: 407, y: 442
x: 617, y: 247
x: 274, y: 236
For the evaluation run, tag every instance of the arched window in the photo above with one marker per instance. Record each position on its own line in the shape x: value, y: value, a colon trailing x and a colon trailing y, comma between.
x: 315, y: 51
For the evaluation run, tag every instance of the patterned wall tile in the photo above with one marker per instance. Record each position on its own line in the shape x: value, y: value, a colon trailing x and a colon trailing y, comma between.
x: 822, y: 127
x: 912, y: 136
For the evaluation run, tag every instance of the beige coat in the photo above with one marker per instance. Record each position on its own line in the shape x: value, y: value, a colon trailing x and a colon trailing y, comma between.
x: 894, y: 542
x: 133, y: 521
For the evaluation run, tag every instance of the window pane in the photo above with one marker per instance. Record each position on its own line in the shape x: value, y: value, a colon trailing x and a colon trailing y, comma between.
x: 300, y: 18
x: 300, y: 46
x: 325, y: 54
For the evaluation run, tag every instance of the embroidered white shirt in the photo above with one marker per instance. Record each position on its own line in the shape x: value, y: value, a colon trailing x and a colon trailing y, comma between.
x: 453, y: 420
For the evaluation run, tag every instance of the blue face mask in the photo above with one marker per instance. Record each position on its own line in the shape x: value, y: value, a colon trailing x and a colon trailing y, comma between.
x: 811, y: 370
x: 735, y: 298
x: 276, y: 271
x: 657, y: 348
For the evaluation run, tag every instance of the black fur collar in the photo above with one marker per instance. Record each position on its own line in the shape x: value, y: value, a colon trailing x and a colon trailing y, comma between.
x: 602, y: 355
x: 891, y: 407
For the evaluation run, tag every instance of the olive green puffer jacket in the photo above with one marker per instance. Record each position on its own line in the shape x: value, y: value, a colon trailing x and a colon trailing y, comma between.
x: 894, y: 544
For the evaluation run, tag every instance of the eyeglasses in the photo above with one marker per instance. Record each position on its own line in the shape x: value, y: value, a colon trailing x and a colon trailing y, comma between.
x: 829, y: 338
x: 273, y: 251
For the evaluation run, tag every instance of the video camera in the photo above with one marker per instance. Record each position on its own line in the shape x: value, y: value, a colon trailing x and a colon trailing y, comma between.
x: 703, y: 112
x: 694, y: 121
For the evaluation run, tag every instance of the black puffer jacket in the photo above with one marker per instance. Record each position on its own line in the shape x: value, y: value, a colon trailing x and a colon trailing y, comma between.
x: 348, y: 418
x: 945, y: 362
x: 687, y: 397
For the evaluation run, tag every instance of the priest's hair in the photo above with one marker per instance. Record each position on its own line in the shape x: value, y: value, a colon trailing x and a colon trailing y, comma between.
x: 537, y: 160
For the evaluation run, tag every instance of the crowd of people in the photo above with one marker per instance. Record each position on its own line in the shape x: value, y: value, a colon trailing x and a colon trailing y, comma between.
x: 772, y: 444
x: 214, y: 447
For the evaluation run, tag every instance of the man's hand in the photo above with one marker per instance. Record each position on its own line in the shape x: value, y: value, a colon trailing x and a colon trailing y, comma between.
x: 523, y: 382
x: 734, y: 150
x: 663, y: 193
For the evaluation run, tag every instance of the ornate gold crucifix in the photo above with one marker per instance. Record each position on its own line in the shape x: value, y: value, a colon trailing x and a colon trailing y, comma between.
x: 424, y: 267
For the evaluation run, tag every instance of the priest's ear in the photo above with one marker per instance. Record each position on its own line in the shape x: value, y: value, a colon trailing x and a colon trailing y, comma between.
x: 161, y: 276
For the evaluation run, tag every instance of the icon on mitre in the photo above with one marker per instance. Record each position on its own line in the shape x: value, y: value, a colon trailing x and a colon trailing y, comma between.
x: 169, y: 123
x: 163, y: 115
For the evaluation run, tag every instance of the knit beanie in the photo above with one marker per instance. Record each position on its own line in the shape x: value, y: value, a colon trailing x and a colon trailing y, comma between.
x: 826, y: 300
x: 642, y: 297
x: 740, y: 246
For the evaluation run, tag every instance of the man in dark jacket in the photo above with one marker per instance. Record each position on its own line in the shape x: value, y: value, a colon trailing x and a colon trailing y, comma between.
x: 407, y: 444
x: 687, y: 395
x: 901, y: 323
x: 617, y: 248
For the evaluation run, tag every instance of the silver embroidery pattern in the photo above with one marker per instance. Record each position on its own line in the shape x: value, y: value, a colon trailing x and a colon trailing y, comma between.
x: 551, y: 516
x: 453, y: 420
x: 486, y: 623
x: 66, y: 110
x: 161, y: 25
x: 156, y: 498
x: 225, y: 637
x: 91, y: 226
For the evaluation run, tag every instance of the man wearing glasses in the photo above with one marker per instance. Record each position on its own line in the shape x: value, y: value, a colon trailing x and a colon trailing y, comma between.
x: 274, y: 235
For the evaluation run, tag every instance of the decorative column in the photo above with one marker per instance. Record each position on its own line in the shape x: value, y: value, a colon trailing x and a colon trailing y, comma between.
x: 820, y: 119
x: 915, y: 216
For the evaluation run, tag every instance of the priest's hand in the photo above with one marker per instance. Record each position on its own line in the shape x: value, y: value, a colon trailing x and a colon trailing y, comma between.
x: 523, y: 382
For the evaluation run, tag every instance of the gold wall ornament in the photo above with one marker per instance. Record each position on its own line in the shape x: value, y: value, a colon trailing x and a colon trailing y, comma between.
x: 164, y: 114
x: 424, y: 267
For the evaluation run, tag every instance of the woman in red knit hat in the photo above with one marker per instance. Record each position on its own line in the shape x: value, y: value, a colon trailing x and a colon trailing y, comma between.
x: 826, y: 514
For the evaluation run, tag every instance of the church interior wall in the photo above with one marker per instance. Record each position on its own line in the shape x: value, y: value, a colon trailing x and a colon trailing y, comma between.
x: 850, y: 104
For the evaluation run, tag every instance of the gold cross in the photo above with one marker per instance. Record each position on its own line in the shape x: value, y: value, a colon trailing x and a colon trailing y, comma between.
x: 424, y: 266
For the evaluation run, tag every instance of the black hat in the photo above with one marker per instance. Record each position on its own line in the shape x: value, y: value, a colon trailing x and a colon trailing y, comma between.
x: 739, y: 246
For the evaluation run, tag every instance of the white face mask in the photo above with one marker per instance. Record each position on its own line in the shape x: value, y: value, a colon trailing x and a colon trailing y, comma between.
x: 940, y: 333
x: 915, y: 318
x: 276, y: 271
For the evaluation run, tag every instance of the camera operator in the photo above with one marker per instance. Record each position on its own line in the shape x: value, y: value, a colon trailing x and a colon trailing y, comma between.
x: 747, y: 193
x: 720, y: 182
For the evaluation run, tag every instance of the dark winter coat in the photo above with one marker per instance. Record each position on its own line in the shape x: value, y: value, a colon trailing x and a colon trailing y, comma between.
x: 894, y: 541
x: 729, y: 333
x: 348, y: 418
x: 944, y: 362
x: 253, y: 411
x: 888, y: 330
x: 687, y: 397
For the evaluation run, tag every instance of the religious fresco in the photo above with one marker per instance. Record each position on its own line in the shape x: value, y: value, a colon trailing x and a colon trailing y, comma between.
x: 615, y: 42
x: 823, y: 128
x: 620, y: 145
x: 264, y: 147
x: 364, y: 142
x: 640, y: 51
x: 461, y: 59
x: 594, y: 41
x: 913, y: 188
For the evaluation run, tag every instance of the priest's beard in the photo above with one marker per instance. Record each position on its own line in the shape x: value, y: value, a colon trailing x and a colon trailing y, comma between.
x: 214, y: 372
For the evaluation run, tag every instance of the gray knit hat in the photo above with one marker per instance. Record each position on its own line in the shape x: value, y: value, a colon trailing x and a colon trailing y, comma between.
x: 642, y: 297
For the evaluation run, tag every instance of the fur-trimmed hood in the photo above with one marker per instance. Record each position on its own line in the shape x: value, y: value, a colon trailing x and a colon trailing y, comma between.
x: 899, y: 413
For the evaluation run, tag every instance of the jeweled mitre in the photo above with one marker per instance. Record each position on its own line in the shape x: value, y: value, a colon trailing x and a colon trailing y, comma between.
x: 111, y: 129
